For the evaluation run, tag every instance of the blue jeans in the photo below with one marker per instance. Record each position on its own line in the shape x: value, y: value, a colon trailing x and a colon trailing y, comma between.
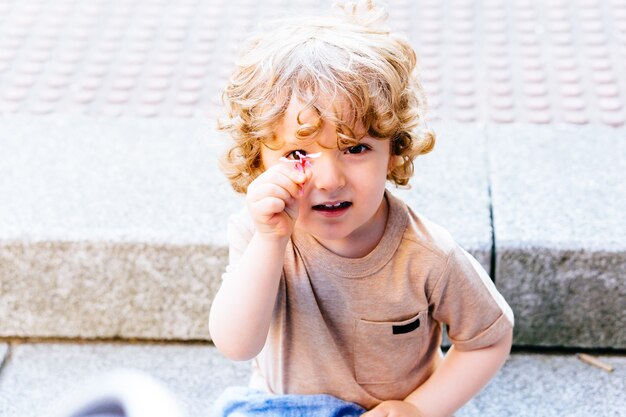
x: 246, y: 402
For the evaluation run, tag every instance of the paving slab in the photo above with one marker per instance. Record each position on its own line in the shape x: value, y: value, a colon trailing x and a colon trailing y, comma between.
x: 75, y: 178
x: 552, y: 385
x: 528, y: 385
x: 559, y: 199
x: 116, y: 228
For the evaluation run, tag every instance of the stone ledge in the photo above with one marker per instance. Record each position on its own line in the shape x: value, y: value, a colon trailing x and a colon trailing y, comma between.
x: 108, y: 290
x: 116, y: 228
x: 559, y: 199
x: 113, y: 228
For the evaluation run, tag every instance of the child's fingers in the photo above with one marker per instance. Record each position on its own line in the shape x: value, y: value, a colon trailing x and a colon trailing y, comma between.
x: 268, y: 207
x: 292, y: 177
x: 270, y: 190
x: 283, y: 177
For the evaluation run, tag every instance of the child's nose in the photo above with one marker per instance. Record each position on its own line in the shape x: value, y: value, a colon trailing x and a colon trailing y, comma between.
x: 328, y: 174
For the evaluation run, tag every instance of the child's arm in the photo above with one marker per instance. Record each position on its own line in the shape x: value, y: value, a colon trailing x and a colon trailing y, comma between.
x: 458, y: 378
x: 242, y: 309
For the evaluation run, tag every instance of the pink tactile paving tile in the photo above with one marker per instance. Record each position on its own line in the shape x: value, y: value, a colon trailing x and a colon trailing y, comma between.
x: 501, y: 61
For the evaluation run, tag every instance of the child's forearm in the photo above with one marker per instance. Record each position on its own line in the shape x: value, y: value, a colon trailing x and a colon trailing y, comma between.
x: 242, y: 309
x: 458, y: 378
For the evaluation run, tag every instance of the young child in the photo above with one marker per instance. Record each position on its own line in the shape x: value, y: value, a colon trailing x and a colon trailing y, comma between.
x: 335, y: 286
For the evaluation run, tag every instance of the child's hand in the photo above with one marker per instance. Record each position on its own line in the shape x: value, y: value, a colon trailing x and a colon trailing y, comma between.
x: 273, y: 199
x: 394, y: 409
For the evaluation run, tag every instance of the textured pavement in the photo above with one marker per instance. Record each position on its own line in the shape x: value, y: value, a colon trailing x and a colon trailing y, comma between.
x: 502, y: 61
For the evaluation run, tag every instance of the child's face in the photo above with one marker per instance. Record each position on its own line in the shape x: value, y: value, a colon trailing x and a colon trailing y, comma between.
x: 342, y: 204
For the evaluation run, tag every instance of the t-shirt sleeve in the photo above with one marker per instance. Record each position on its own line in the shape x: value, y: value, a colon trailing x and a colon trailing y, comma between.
x: 467, y: 301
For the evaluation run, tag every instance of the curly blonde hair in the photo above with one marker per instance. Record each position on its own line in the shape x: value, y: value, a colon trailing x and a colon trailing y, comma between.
x: 322, y: 60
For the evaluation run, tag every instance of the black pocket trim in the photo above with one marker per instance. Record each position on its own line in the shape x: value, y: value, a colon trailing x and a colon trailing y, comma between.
x: 406, y: 328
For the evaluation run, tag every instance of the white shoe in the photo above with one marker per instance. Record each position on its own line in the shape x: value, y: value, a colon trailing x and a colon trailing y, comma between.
x: 120, y: 393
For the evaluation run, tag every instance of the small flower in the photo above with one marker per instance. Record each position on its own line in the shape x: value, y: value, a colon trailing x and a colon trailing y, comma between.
x: 302, y: 163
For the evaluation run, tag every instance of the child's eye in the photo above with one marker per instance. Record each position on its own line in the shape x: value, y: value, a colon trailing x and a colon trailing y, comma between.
x: 295, y: 154
x: 356, y: 149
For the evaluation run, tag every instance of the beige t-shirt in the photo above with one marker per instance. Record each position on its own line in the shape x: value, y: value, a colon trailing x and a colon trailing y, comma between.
x: 369, y: 329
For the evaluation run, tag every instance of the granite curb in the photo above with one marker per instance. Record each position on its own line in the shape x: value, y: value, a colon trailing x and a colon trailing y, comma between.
x: 559, y: 199
x: 110, y: 228
x: 115, y: 228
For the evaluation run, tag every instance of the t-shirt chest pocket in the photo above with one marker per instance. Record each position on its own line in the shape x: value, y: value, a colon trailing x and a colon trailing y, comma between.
x: 386, y: 351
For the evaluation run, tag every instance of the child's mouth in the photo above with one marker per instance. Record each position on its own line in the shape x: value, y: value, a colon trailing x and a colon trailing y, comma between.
x: 332, y: 207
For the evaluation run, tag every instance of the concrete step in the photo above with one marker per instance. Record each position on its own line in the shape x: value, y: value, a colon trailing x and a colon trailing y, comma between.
x: 559, y: 198
x: 115, y: 228
x: 110, y: 228
x: 37, y: 376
